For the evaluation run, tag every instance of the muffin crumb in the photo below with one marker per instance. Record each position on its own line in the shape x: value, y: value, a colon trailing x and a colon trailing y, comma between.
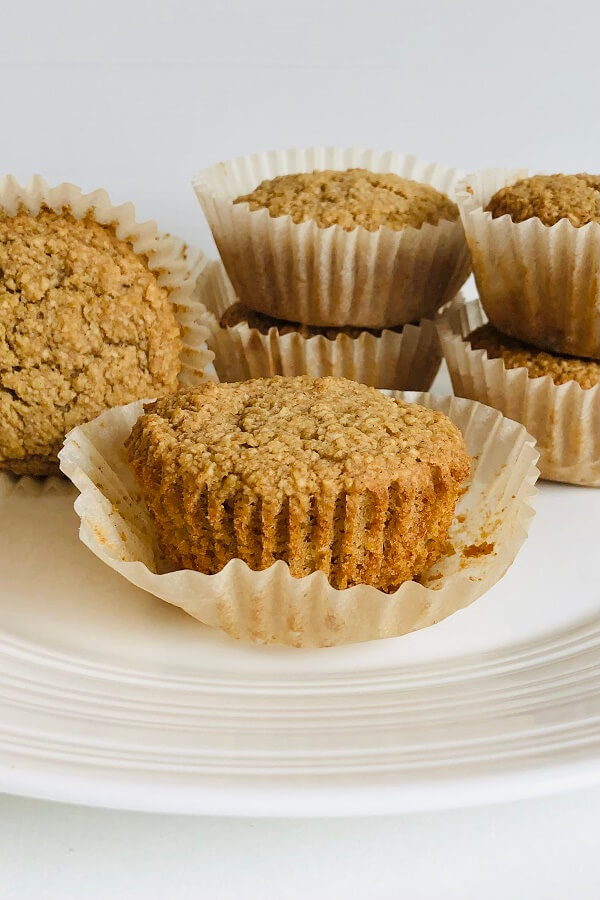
x: 474, y: 551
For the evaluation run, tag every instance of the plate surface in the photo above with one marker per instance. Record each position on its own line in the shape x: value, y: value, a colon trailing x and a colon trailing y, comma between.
x: 110, y: 697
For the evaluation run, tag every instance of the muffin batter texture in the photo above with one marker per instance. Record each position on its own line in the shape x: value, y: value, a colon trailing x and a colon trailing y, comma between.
x: 352, y: 198
x: 550, y: 198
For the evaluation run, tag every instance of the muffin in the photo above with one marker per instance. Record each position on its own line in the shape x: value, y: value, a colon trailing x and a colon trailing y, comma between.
x: 325, y: 474
x: 337, y: 238
x: 535, y: 249
x: 492, y: 518
x: 248, y: 344
x: 515, y: 354
x: 87, y: 322
x: 556, y: 397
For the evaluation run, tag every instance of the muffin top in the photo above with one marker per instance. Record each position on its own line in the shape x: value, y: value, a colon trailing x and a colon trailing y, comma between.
x: 238, y: 313
x: 294, y: 436
x: 84, y: 325
x: 550, y: 198
x: 352, y: 198
x: 537, y: 362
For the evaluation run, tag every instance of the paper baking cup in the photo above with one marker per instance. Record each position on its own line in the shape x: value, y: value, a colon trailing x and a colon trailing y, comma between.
x: 328, y: 276
x: 178, y: 265
x: 539, y: 283
x: 564, y: 418
x: 406, y: 361
x: 271, y: 606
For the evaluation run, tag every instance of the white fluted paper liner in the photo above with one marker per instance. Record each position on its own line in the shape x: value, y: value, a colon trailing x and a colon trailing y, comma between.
x: 400, y: 361
x: 563, y: 418
x: 178, y: 265
x: 328, y: 276
x: 273, y: 607
x: 539, y: 283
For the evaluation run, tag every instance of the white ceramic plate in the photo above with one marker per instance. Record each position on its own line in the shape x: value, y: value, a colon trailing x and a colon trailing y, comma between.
x: 110, y: 697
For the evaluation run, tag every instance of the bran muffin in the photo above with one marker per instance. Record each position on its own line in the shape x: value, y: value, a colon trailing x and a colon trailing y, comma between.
x: 324, y: 474
x: 350, y: 198
x: 550, y: 198
x: 351, y: 238
x: 84, y: 325
x: 516, y: 354
x: 535, y: 251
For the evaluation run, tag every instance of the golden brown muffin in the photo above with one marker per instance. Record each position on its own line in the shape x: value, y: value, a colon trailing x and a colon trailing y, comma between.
x: 84, y: 325
x: 516, y: 354
x: 323, y: 473
x: 238, y: 313
x: 550, y: 198
x: 351, y: 198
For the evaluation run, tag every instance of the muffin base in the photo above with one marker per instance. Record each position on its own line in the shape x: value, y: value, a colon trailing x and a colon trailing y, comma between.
x: 347, y: 536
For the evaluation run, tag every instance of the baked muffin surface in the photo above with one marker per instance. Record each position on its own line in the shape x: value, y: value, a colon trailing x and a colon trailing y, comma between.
x: 516, y: 354
x: 238, y: 313
x: 352, y: 198
x: 550, y: 198
x: 323, y: 473
x: 84, y: 325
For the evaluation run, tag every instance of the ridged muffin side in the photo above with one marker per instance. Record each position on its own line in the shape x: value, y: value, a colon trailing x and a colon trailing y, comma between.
x: 324, y: 474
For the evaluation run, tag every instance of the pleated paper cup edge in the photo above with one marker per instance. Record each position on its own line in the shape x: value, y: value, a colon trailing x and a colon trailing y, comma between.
x: 271, y: 163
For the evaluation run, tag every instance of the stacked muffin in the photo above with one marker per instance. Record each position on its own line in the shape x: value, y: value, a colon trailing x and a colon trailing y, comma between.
x: 332, y: 271
x: 535, y: 247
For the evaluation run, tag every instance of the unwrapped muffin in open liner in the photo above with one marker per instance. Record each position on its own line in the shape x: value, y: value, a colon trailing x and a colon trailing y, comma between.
x: 270, y: 606
x: 406, y: 359
x: 329, y: 276
x: 539, y: 283
x: 563, y: 418
x: 176, y: 268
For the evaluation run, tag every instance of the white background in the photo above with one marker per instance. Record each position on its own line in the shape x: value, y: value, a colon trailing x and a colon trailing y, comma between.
x: 135, y: 97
